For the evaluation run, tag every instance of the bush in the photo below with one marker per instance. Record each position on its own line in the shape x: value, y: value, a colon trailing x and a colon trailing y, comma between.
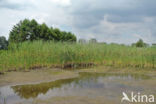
x: 140, y: 43
x: 3, y: 43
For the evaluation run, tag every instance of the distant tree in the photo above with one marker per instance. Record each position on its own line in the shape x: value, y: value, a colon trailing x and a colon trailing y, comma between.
x: 3, y: 43
x: 122, y: 44
x: 154, y: 44
x: 93, y: 40
x: 112, y: 43
x: 31, y: 30
x: 103, y: 43
x: 140, y: 43
x: 82, y: 41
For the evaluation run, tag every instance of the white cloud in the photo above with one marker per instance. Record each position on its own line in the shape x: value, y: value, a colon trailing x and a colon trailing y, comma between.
x: 128, y: 33
x: 62, y: 2
x: 42, y: 11
x: 122, y: 21
x: 21, y: 1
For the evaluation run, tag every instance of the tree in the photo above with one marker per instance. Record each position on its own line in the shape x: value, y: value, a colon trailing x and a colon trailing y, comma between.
x: 3, y: 43
x: 30, y: 30
x: 70, y: 37
x: 24, y: 30
x: 45, y: 33
x: 154, y: 44
x: 140, y: 43
x: 58, y: 34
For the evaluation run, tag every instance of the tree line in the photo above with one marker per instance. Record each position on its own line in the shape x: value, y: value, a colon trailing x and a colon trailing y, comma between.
x: 4, y: 43
x: 30, y: 30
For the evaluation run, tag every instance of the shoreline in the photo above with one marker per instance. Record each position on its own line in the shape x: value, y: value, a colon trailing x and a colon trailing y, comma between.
x: 34, y: 77
x: 53, y: 74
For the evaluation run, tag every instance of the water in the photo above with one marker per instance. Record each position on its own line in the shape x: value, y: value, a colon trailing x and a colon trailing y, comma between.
x: 92, y: 85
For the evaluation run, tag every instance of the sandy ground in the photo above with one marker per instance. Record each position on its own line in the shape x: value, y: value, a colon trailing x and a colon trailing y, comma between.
x: 77, y: 100
x: 35, y: 76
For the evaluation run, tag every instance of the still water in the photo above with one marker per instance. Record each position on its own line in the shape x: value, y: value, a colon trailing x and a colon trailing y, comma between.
x: 92, y: 85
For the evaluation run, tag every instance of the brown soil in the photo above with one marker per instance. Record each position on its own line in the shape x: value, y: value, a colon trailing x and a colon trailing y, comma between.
x: 35, y: 76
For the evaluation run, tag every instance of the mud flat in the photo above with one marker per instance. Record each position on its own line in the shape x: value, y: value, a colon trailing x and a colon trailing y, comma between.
x: 35, y: 76
x: 98, y: 85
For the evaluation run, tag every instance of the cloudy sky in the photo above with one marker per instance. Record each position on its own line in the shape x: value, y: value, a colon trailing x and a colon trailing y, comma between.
x: 120, y: 21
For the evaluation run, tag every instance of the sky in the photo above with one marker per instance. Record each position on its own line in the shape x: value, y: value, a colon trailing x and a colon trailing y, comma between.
x: 117, y: 21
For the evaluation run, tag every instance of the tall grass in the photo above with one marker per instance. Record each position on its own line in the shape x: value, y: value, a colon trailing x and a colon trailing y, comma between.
x: 37, y: 54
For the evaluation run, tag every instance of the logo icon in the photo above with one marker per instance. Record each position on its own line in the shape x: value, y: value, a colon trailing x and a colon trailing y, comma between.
x: 125, y: 97
x: 137, y: 98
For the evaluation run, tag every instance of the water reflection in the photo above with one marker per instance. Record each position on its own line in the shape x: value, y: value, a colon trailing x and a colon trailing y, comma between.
x: 3, y: 99
x: 87, y: 84
x: 32, y: 91
x: 85, y: 79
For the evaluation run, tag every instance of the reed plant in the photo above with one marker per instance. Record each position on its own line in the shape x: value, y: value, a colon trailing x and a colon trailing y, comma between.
x: 37, y: 54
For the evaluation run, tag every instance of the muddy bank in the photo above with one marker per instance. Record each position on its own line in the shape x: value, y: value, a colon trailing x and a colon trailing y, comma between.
x: 94, y: 87
x: 75, y: 100
x: 47, y: 75
x: 35, y: 76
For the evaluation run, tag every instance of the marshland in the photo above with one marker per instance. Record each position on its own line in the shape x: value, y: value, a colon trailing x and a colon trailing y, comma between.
x: 38, y: 54
x: 41, y: 64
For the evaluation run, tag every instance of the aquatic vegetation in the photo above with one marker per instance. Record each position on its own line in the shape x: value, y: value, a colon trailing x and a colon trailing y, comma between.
x: 38, y: 54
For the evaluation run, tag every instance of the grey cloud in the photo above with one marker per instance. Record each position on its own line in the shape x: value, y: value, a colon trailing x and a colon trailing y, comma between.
x: 128, y: 17
x: 125, y: 19
x: 87, y: 13
x: 121, y: 21
x: 5, y: 4
x: 87, y: 20
x: 10, y: 6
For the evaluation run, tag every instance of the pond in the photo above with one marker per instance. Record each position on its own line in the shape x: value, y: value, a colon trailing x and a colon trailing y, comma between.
x: 91, y: 85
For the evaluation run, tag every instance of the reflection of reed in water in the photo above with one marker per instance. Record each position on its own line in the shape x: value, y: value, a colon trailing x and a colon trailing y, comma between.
x: 32, y: 91
x: 4, y: 100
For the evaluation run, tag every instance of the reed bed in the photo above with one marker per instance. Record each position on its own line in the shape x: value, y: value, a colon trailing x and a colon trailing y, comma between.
x: 38, y: 54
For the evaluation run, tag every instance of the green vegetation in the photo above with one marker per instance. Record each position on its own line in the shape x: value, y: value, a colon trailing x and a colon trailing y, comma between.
x: 30, y: 30
x: 33, y: 46
x: 3, y: 43
x: 140, y: 43
x: 36, y: 54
